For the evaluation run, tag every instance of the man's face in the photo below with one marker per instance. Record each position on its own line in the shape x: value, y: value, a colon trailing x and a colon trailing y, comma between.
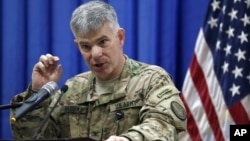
x: 102, y: 52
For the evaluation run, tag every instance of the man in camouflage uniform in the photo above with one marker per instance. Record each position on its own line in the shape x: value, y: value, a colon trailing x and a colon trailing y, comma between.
x: 119, y: 99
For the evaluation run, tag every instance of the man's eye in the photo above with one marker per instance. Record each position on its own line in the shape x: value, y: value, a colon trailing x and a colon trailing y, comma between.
x: 103, y: 42
x: 85, y: 47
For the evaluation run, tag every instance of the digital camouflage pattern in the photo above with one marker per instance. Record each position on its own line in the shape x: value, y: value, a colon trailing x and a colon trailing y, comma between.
x: 143, y: 105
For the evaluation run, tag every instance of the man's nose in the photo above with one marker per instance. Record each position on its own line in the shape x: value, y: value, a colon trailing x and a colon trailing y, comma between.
x: 96, y: 51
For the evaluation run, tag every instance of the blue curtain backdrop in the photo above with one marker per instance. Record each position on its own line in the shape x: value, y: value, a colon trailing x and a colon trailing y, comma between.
x: 161, y: 32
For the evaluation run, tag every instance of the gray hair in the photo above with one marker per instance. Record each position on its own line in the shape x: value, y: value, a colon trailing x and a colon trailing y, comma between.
x: 91, y: 16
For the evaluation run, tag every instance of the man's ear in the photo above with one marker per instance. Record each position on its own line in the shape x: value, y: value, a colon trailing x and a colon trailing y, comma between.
x: 76, y: 43
x: 121, y: 35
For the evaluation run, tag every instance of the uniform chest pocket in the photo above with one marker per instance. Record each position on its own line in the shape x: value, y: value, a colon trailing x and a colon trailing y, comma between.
x: 122, y: 116
x: 73, y: 121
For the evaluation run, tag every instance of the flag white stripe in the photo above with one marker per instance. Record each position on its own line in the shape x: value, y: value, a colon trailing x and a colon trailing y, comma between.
x: 184, y: 136
x: 193, y: 101
x: 245, y: 103
x: 205, y: 60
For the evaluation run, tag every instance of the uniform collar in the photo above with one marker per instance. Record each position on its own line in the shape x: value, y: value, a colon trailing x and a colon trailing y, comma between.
x: 119, y: 90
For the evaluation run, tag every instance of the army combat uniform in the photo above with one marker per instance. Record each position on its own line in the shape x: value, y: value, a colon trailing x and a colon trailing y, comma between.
x: 142, y: 105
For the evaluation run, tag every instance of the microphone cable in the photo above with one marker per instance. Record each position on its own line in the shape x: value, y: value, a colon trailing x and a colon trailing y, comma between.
x: 38, y: 131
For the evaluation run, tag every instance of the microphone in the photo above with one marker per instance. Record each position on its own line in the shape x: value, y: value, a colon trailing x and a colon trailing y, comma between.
x: 12, y: 105
x: 38, y: 131
x: 45, y: 92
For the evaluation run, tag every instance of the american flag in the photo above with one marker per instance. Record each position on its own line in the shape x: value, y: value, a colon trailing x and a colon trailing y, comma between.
x: 216, y: 89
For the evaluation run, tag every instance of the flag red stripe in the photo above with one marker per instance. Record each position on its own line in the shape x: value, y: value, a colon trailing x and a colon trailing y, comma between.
x: 241, y: 118
x: 191, y: 125
x: 201, y: 85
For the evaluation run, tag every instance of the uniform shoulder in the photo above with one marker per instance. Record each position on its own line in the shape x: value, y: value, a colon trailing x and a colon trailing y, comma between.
x: 148, y: 70
x: 144, y: 67
x: 81, y: 76
x: 79, y: 80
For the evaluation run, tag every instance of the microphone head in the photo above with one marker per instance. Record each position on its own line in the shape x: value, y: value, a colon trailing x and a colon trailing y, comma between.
x: 64, y: 88
x: 51, y: 87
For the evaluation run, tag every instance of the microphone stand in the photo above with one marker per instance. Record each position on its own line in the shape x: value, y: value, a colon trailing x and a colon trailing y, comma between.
x: 12, y: 105
x: 38, y: 131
